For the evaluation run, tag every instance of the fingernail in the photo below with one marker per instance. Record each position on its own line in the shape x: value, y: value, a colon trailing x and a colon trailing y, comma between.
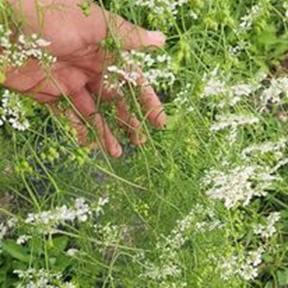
x: 161, y: 120
x: 138, y: 139
x: 117, y: 151
x: 156, y: 38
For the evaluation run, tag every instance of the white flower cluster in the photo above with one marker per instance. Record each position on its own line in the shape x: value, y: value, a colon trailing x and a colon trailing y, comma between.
x: 170, y: 263
x: 233, y: 121
x: 247, y: 20
x: 213, y: 85
x: 47, y: 221
x: 109, y: 233
x: 161, y: 7
x: 179, y: 235
x: 275, y: 147
x: 129, y: 72
x: 17, y: 54
x: 216, y: 84
x: 267, y: 230
x: 4, y: 228
x: 227, y: 96
x: 208, y: 226
x: 12, y: 111
x: 182, y: 99
x: 32, y: 278
x: 230, y: 95
x: 234, y: 51
x: 276, y: 91
x: 238, y: 185
x: 245, y: 267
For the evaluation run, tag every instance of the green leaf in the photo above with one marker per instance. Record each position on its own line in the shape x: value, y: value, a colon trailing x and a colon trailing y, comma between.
x: 282, y: 277
x: 16, y: 251
x: 269, y: 285
x: 17, y: 265
x: 268, y: 37
x: 61, y: 263
x: 268, y: 258
x: 58, y: 244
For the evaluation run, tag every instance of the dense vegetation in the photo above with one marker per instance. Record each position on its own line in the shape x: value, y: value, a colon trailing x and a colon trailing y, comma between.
x: 202, y: 204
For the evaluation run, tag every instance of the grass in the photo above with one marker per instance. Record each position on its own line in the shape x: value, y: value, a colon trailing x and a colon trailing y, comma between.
x: 138, y: 240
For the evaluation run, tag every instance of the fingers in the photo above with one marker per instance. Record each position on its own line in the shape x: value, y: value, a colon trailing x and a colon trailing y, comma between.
x: 134, y: 37
x: 153, y: 107
x: 126, y: 120
x: 84, y: 103
x: 130, y: 123
x: 106, y: 137
x: 150, y: 102
x: 74, y: 121
x: 80, y: 128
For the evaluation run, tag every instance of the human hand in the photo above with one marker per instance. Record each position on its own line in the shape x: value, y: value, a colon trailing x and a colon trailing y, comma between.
x: 81, y: 62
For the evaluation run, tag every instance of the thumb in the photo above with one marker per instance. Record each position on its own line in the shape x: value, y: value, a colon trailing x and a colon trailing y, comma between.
x: 132, y: 36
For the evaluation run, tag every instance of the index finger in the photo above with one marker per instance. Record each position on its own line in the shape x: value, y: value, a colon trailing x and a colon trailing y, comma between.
x: 132, y: 36
x: 153, y: 107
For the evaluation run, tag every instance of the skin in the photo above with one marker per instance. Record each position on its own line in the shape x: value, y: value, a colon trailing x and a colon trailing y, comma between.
x: 78, y: 73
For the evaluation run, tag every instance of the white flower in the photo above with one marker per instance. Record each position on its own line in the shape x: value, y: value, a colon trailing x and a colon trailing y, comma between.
x: 238, y: 185
x: 279, y: 165
x: 272, y: 94
x: 3, y: 231
x: 16, y: 54
x: 233, y: 121
x: 277, y: 148
x: 245, y: 266
x: 23, y: 239
x: 254, y: 258
x: 42, y: 42
x: 22, y: 39
x: 68, y: 285
x: 242, y: 89
x: 72, y: 252
x: 12, y: 222
x: 228, y: 267
x: 161, y: 58
x: 267, y: 230
x: 168, y: 266
x: 32, y: 278
x: 285, y: 6
x: 129, y: 70
x: 168, y: 7
x: 248, y: 19
x: 193, y: 15
x: 248, y: 272
x: 214, y: 87
x: 82, y: 210
x: 1, y: 121
x: 13, y: 111
x: 103, y: 201
x: 48, y: 221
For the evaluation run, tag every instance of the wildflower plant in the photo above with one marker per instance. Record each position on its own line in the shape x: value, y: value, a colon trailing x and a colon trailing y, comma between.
x: 161, y: 76
x: 203, y: 204
x: 13, y: 111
